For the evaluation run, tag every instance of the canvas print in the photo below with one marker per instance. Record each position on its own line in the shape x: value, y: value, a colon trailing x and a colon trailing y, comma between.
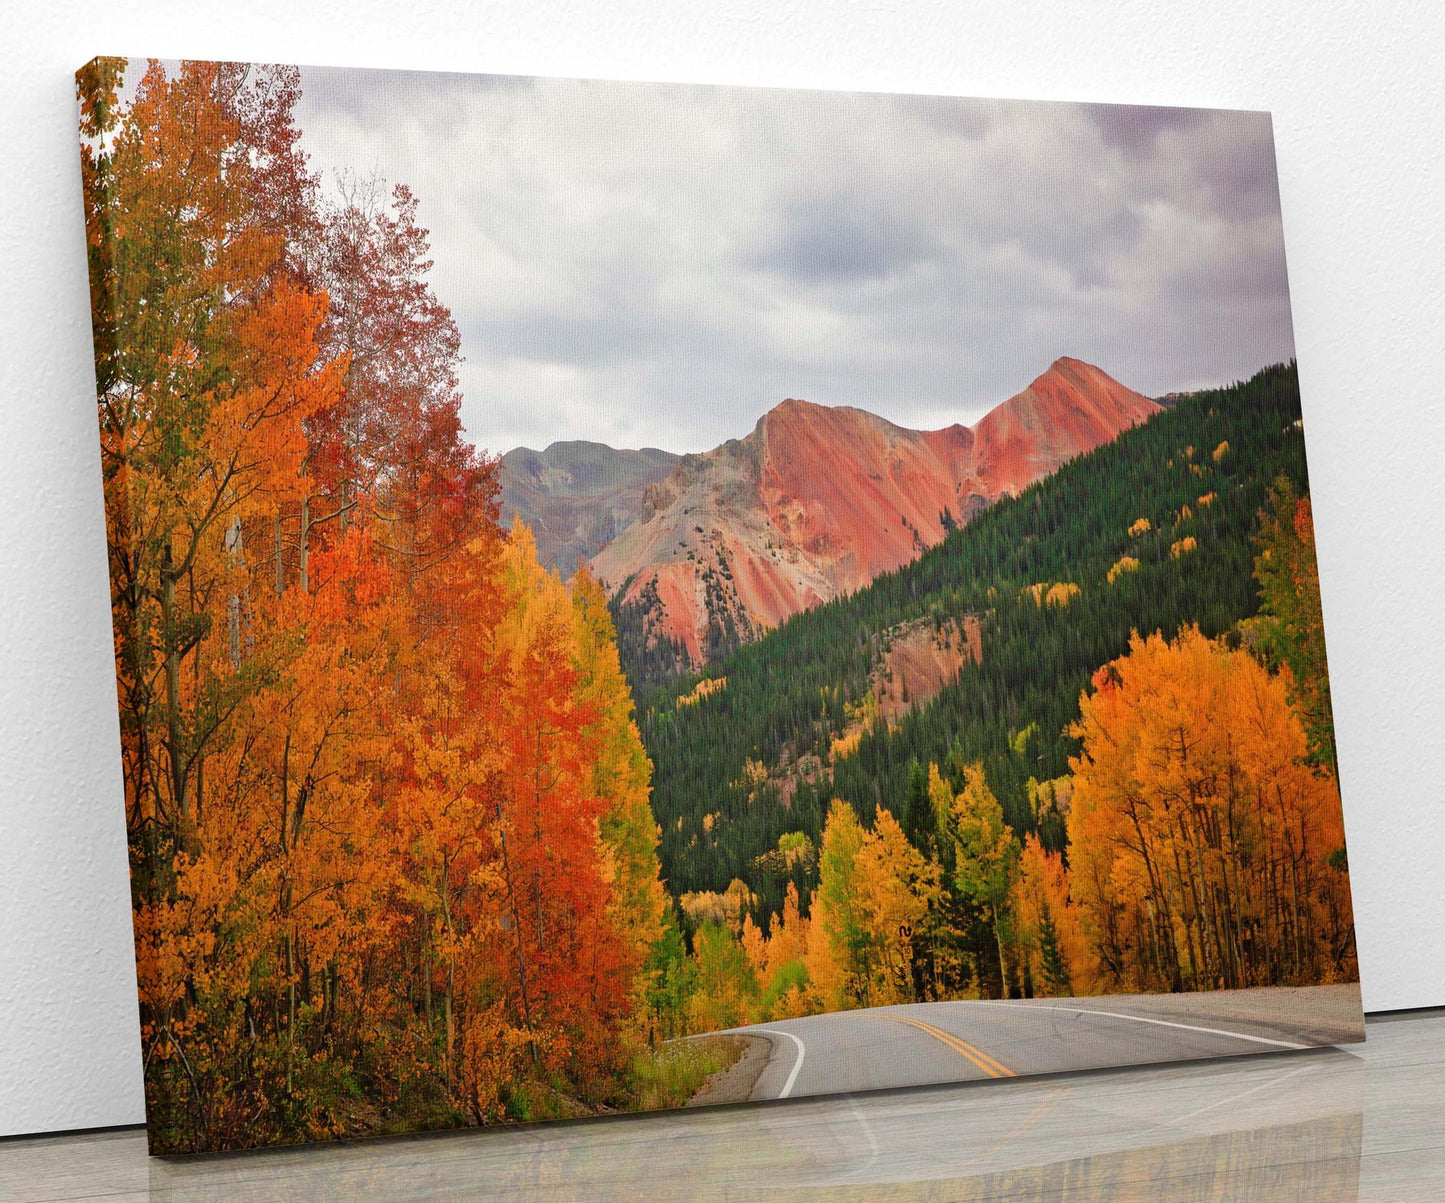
x: 636, y: 595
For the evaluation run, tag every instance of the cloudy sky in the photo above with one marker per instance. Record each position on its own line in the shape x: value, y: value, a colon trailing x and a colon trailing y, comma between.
x: 657, y: 265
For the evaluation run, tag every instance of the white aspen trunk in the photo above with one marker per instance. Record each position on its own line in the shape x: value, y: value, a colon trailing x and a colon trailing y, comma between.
x: 280, y: 573
x: 233, y: 600
x: 302, y: 571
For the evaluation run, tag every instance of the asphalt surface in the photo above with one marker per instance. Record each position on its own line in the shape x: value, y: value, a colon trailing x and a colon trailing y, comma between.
x: 929, y: 1043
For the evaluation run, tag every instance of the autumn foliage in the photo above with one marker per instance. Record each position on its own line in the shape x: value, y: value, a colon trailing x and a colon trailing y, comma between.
x: 1204, y: 851
x: 394, y: 864
x: 1196, y: 844
x: 1203, y: 848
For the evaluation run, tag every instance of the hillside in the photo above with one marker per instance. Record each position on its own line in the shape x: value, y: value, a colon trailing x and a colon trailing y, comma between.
x: 577, y: 495
x: 1056, y: 581
x: 817, y: 501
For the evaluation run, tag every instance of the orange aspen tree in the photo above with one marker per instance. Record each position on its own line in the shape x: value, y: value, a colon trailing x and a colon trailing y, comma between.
x: 552, y: 815
x: 621, y: 775
x: 1205, y: 851
x: 1049, y: 927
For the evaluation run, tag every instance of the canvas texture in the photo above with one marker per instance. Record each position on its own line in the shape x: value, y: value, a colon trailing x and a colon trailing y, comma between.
x: 629, y: 596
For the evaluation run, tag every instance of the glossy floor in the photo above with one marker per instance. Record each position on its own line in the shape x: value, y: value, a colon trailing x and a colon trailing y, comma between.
x: 1319, y: 1125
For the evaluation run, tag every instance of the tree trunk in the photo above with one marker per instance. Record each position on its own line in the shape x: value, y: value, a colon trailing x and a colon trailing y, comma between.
x: 303, y: 566
x: 1003, y: 982
x: 451, y: 936
x: 280, y: 570
x: 426, y: 973
x: 290, y: 1005
x: 233, y: 598
x: 517, y: 931
x: 171, y: 641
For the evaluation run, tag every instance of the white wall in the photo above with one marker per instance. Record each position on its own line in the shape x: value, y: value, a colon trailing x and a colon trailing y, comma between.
x: 1358, y: 103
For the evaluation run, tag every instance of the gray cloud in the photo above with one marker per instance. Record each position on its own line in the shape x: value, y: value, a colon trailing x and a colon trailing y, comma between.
x: 827, y: 238
x: 651, y: 264
x: 1136, y: 128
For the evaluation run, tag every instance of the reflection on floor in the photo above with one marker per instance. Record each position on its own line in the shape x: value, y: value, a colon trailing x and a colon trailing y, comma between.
x: 1319, y: 1125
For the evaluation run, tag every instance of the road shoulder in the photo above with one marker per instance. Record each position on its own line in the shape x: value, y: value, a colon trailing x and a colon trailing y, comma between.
x: 735, y: 1084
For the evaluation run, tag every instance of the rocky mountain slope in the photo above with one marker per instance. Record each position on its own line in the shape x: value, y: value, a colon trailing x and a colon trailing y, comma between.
x: 816, y: 501
x: 576, y: 496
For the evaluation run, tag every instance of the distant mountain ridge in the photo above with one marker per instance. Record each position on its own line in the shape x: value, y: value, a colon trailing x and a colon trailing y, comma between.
x: 577, y: 495
x: 817, y: 501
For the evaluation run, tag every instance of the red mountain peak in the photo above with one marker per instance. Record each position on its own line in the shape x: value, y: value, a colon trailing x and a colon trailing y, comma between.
x: 818, y: 500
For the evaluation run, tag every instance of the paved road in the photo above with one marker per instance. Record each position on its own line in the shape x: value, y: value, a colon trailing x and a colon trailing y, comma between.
x: 926, y: 1043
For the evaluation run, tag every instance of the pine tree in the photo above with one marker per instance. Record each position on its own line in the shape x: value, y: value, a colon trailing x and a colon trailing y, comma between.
x: 1056, y: 976
x: 919, y: 821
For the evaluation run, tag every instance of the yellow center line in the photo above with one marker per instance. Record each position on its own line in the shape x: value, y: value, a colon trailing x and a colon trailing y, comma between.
x: 982, y: 1060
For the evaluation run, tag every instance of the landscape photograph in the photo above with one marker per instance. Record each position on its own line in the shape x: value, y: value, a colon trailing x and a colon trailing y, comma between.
x: 630, y: 596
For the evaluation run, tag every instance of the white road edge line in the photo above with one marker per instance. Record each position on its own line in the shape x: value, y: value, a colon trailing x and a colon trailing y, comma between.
x: 797, y: 1065
x: 1163, y: 1023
